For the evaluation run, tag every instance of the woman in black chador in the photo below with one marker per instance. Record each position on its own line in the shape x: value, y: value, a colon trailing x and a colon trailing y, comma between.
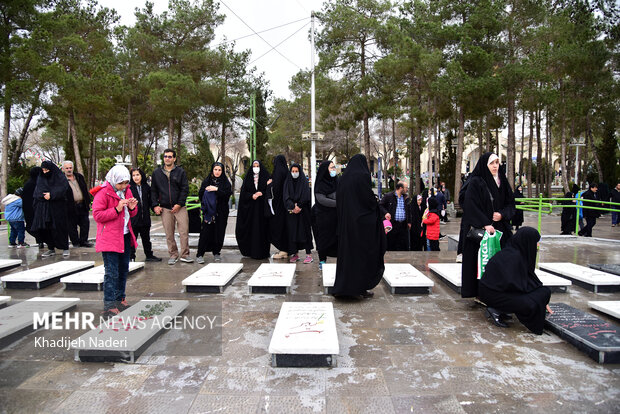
x: 361, y: 237
x: 489, y: 204
x: 510, y: 285
x: 517, y: 219
x: 28, y: 201
x: 568, y: 213
x: 214, y: 193
x: 417, y: 236
x: 252, y: 230
x: 296, y: 197
x: 277, y: 220
x: 50, y: 209
x: 324, y: 215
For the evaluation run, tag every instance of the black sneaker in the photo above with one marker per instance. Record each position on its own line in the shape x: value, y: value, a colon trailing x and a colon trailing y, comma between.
x: 152, y: 259
x: 110, y: 313
x: 12, y: 244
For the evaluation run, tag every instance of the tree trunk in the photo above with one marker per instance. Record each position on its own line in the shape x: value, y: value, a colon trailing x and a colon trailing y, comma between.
x: 415, y: 178
x: 134, y: 142
x: 223, y: 143
x: 394, y: 145
x: 529, y: 156
x: 179, y: 136
x: 459, y: 156
x: 74, y: 139
x: 4, y: 168
x: 550, y: 166
x: 510, y: 150
x: 21, y: 141
x: 365, y: 98
x: 128, y: 132
x: 539, y: 161
x: 590, y: 143
x: 170, y: 132
x: 92, y: 164
x: 563, y: 165
x: 481, y: 147
x: 522, y: 147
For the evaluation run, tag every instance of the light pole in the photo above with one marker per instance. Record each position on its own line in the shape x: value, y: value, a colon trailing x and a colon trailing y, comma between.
x: 579, y: 142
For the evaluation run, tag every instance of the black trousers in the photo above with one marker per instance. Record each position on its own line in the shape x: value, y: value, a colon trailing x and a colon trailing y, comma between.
x: 79, y: 220
x: 145, y: 234
x: 587, y: 230
x: 55, y: 238
x: 434, y: 245
x: 398, y: 238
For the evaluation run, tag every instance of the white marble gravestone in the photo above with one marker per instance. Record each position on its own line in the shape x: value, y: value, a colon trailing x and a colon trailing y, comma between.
x: 553, y: 282
x: 590, y: 279
x: 305, y: 335
x: 9, y: 263
x: 125, y: 336
x: 272, y: 278
x: 329, y: 277
x: 92, y: 279
x: 610, y: 307
x: 403, y: 278
x: 4, y: 300
x: 213, y: 278
x: 17, y: 320
x: 449, y: 273
x: 43, y: 276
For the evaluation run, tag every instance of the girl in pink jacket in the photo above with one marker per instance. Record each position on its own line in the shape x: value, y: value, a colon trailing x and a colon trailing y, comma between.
x: 112, y: 208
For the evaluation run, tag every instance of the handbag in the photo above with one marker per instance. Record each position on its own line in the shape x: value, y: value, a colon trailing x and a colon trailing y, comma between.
x: 475, y: 234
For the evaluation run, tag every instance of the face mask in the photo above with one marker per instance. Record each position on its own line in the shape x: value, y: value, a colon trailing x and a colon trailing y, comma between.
x: 295, y: 175
x: 256, y: 170
x: 332, y: 173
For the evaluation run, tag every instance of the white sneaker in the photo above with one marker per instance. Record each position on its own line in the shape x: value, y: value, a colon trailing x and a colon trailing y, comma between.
x: 459, y: 258
x: 200, y: 259
x: 187, y: 259
x: 48, y: 253
x: 172, y: 260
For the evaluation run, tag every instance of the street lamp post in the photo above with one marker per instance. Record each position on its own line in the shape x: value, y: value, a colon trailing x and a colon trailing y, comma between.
x: 579, y: 142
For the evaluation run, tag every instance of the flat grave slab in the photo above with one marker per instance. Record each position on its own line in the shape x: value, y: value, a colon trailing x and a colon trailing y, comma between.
x: 17, y: 320
x: 403, y: 278
x: 590, y: 279
x: 329, y: 277
x: 614, y: 269
x: 6, y: 264
x: 272, y: 278
x: 92, y: 279
x: 450, y: 273
x: 553, y: 282
x: 213, y: 278
x: 43, y: 276
x: 305, y: 336
x: 125, y: 336
x: 592, y: 335
x: 610, y: 307
x: 4, y: 300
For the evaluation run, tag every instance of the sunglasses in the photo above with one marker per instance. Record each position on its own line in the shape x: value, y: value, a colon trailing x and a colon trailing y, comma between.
x: 168, y: 156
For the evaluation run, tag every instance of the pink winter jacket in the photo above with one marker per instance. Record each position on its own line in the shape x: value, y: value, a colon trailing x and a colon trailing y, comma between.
x: 110, y: 223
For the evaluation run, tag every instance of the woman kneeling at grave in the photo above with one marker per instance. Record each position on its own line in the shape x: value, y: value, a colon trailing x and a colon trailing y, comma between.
x: 113, y: 207
x: 510, y: 285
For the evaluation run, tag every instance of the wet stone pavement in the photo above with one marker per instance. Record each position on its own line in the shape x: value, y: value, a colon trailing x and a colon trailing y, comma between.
x: 398, y: 353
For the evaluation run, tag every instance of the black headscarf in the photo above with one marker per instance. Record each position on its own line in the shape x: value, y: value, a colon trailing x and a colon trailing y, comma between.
x: 248, y: 181
x: 296, y: 190
x: 222, y: 182
x: 575, y: 189
x: 280, y: 172
x: 512, y: 269
x: 325, y: 183
x: 53, y: 182
x: 361, y: 238
x: 433, y: 205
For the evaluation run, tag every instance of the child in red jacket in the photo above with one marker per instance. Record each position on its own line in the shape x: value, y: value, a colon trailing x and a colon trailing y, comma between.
x: 431, y: 219
x: 112, y: 208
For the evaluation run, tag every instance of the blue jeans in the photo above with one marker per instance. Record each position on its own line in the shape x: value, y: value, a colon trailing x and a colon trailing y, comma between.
x: 116, y: 268
x: 614, y: 216
x: 18, y: 231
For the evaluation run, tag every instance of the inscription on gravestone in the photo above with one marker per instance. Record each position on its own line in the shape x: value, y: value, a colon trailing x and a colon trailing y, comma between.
x: 614, y: 269
x: 596, y: 337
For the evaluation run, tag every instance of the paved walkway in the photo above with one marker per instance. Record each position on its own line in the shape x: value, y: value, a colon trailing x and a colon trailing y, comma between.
x: 417, y: 353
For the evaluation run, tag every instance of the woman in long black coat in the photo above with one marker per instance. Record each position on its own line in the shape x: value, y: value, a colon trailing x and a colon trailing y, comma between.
x: 215, y: 215
x: 141, y: 222
x: 296, y: 197
x: 28, y: 203
x: 568, y: 213
x: 324, y: 214
x: 510, y: 285
x: 416, y: 232
x: 252, y: 230
x: 489, y: 204
x: 361, y: 237
x: 50, y: 209
x: 278, y: 234
x: 517, y: 219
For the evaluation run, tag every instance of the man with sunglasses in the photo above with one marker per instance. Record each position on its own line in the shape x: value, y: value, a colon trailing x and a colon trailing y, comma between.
x: 169, y: 192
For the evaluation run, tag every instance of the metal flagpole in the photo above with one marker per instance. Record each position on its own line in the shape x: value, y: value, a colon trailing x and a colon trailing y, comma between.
x: 312, y: 116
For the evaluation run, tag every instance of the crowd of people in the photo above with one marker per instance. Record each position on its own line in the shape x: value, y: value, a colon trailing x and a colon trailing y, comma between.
x: 347, y: 221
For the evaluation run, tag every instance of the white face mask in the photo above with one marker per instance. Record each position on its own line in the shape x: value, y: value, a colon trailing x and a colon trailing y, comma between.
x: 295, y: 175
x: 256, y: 170
x: 332, y: 173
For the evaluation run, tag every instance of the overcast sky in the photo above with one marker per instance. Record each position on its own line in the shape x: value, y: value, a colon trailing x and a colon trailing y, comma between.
x: 259, y: 15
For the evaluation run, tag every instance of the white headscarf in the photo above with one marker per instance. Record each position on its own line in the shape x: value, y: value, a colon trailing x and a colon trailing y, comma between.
x: 492, y: 158
x: 116, y: 175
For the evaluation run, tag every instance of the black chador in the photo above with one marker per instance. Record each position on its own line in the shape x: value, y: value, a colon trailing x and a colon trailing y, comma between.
x: 510, y: 284
x: 296, y: 192
x: 277, y: 221
x: 215, y: 216
x: 483, y: 197
x: 252, y: 230
x: 568, y: 213
x: 324, y: 214
x: 28, y: 201
x: 50, y: 216
x: 361, y: 237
